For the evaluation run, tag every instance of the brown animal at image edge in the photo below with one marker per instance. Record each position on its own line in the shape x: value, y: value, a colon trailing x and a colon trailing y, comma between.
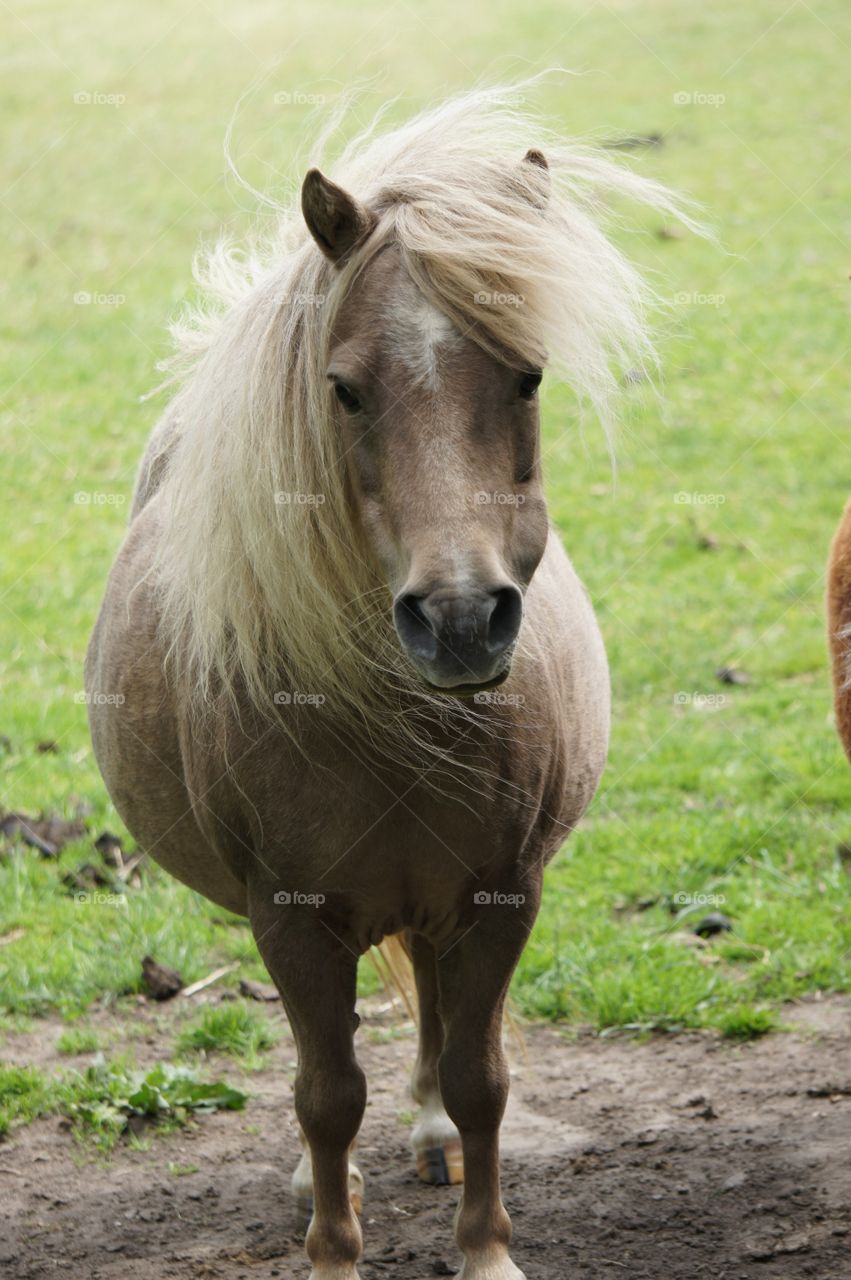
x: 364, y: 694
x: 838, y: 624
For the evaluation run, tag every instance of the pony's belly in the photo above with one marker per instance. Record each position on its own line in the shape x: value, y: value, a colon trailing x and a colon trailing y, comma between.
x: 135, y: 735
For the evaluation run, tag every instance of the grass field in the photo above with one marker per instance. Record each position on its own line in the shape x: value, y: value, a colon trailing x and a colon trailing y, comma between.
x: 708, y: 551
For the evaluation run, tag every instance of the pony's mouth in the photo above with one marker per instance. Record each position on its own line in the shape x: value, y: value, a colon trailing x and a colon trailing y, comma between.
x: 468, y: 690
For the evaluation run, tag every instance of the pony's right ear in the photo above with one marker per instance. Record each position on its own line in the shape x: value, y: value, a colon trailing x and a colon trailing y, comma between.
x: 335, y: 219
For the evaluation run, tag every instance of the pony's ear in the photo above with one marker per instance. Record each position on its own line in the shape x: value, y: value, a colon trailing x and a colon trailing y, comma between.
x: 335, y: 219
x: 540, y: 176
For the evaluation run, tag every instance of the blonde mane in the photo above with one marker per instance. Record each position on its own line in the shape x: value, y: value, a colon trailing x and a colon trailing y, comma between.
x: 265, y: 586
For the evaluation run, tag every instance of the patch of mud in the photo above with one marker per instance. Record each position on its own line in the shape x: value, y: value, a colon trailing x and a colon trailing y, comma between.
x: 676, y: 1158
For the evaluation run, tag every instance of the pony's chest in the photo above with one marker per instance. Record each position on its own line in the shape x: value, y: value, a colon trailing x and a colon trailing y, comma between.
x: 376, y: 853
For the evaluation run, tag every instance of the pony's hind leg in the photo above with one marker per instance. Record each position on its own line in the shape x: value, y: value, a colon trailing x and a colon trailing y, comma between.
x: 315, y: 975
x: 302, y: 1187
x: 435, y: 1139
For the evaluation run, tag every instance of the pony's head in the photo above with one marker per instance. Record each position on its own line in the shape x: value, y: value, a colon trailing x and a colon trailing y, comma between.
x: 440, y: 438
x: 351, y: 500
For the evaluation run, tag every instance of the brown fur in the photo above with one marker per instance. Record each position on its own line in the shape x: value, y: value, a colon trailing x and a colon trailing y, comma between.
x: 838, y: 621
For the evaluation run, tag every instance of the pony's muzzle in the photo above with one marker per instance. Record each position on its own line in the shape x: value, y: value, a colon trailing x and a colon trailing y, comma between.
x: 459, y: 639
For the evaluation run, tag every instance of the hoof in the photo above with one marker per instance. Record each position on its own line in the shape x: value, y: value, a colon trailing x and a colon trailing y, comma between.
x: 436, y: 1145
x: 442, y: 1166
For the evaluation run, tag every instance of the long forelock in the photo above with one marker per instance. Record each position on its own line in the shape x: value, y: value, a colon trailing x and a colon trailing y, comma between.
x: 262, y: 575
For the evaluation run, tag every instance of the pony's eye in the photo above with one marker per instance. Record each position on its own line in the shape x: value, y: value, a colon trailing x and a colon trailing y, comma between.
x: 347, y: 398
x: 529, y: 384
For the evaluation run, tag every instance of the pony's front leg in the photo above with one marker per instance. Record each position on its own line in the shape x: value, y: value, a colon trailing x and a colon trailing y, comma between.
x: 302, y: 1187
x: 474, y: 974
x: 435, y: 1139
x: 316, y: 975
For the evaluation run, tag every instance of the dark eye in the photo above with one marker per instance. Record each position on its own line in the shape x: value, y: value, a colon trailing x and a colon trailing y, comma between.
x: 529, y: 384
x: 347, y: 398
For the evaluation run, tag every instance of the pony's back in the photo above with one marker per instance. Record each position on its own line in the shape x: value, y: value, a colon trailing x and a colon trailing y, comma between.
x: 152, y: 468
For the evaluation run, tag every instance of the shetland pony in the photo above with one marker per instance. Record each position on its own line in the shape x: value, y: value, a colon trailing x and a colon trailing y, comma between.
x: 364, y: 695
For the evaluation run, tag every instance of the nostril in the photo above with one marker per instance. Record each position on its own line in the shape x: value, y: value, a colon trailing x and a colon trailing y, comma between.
x: 505, y: 619
x: 414, y: 628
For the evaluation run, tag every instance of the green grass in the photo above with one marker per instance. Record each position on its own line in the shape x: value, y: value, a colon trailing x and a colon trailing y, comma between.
x: 235, y: 1028
x: 22, y: 1096
x: 99, y: 1101
x: 747, y: 799
x: 746, y: 1023
x: 78, y: 1040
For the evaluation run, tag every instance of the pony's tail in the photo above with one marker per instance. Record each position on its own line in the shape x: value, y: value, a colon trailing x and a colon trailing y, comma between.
x: 391, y: 960
x: 839, y: 625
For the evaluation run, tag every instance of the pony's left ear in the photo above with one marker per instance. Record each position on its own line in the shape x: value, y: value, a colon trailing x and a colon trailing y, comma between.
x: 539, y: 176
x: 335, y: 219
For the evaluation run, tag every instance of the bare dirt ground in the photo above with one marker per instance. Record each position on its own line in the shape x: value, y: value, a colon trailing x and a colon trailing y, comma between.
x: 675, y: 1157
